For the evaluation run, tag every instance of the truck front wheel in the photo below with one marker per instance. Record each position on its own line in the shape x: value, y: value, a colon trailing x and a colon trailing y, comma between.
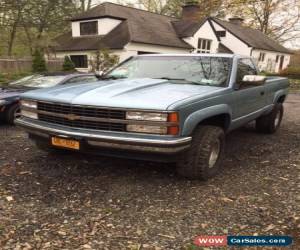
x: 270, y: 123
x: 203, y: 159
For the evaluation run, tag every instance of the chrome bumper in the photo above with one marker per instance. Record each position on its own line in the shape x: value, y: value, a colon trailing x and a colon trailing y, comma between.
x: 124, y: 142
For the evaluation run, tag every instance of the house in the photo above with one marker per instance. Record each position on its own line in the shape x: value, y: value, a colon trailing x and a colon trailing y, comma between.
x: 128, y: 31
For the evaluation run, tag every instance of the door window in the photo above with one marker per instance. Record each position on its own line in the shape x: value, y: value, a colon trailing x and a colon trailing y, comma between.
x: 245, y: 67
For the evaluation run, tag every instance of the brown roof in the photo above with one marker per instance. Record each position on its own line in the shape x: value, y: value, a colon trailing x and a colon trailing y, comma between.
x: 186, y: 28
x: 137, y: 26
x: 253, y: 38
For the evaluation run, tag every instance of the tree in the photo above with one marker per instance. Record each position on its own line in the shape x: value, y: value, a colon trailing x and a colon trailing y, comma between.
x: 68, y: 64
x: 279, y: 19
x: 174, y: 7
x: 38, y: 62
x: 103, y: 60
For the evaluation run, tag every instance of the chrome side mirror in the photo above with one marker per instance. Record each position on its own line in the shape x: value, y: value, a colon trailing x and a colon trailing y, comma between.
x: 253, y: 80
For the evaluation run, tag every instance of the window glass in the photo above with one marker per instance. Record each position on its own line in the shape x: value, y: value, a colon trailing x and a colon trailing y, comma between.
x: 245, y: 67
x: 198, y: 70
x: 89, y: 28
x: 80, y: 61
x: 204, y: 46
x: 39, y: 81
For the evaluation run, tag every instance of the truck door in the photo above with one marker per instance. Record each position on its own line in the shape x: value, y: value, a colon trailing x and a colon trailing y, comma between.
x: 248, y: 98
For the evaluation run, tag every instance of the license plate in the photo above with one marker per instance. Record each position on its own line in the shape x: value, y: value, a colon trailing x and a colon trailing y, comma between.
x: 65, y: 143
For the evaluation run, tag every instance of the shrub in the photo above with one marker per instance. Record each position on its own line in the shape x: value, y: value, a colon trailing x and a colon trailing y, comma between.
x: 68, y: 64
x: 291, y: 72
x: 38, y: 62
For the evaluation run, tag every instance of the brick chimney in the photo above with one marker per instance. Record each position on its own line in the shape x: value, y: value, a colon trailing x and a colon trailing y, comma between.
x: 236, y: 20
x: 191, y: 11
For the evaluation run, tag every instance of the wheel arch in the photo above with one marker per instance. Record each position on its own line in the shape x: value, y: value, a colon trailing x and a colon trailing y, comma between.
x: 219, y: 115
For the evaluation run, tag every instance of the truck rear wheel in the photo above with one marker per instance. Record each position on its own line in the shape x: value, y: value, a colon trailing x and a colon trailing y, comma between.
x: 270, y: 123
x: 203, y: 159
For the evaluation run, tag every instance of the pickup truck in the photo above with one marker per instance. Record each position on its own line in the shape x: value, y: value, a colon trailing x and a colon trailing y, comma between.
x: 158, y: 107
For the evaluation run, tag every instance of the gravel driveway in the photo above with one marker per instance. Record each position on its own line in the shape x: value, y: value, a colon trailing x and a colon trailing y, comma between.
x: 69, y: 201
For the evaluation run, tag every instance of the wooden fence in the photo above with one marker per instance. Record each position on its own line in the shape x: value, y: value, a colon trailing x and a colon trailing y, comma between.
x: 15, y: 66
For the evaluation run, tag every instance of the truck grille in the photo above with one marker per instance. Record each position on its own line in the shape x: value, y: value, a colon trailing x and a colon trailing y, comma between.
x: 54, y: 113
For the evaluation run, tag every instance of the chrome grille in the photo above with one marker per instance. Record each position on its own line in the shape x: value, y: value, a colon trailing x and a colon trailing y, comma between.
x: 58, y: 114
x: 81, y: 110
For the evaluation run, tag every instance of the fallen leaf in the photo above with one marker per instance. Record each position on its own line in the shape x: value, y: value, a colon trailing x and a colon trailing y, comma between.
x: 9, y: 198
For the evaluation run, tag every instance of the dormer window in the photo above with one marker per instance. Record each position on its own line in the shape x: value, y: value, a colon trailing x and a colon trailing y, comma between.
x: 89, y: 28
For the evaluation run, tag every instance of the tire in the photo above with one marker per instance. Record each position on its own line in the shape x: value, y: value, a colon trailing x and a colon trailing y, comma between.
x: 203, y: 159
x: 270, y: 123
x: 12, y: 113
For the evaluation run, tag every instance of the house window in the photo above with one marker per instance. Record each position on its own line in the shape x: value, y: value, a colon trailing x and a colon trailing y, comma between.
x: 277, y: 58
x: 261, y: 57
x: 80, y: 61
x: 204, y: 45
x: 221, y: 33
x: 89, y: 28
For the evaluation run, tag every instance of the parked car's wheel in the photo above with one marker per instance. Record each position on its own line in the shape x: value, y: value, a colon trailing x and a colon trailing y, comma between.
x: 270, y: 123
x: 12, y: 113
x: 203, y: 159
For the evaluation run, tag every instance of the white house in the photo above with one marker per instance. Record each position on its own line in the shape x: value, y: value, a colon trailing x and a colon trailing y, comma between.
x: 129, y: 31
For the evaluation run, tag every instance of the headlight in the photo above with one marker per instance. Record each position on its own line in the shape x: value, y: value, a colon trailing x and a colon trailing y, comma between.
x: 146, y: 116
x: 29, y: 104
x: 29, y: 114
x: 2, y: 102
x: 152, y: 116
x: 162, y: 130
x: 163, y: 123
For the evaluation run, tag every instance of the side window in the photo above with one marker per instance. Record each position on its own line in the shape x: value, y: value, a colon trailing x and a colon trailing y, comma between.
x: 245, y: 67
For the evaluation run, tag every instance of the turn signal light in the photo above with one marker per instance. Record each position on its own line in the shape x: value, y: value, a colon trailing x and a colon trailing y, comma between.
x: 174, y: 130
x: 173, y: 117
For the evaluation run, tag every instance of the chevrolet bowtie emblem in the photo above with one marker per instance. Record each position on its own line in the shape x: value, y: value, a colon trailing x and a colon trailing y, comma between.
x: 72, y: 117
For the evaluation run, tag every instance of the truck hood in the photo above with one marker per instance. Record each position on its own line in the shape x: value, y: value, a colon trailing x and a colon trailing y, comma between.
x: 153, y: 94
x: 6, y: 93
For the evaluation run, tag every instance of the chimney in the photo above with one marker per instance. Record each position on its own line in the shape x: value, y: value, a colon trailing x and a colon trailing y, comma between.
x: 236, y: 20
x: 191, y: 11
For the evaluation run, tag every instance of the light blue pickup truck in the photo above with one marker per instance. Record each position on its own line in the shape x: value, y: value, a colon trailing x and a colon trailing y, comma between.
x: 158, y: 107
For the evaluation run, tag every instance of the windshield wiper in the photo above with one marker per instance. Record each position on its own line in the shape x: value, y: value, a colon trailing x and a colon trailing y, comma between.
x: 181, y: 79
x: 111, y: 77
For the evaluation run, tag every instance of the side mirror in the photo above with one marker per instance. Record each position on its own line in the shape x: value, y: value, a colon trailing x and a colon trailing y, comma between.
x: 250, y: 81
x: 253, y: 80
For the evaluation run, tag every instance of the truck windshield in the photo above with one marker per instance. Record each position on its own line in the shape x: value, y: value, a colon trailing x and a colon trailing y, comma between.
x: 202, y: 70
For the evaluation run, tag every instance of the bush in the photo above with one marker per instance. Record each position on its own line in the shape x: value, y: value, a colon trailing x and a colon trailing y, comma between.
x: 291, y: 72
x: 38, y: 62
x: 68, y: 64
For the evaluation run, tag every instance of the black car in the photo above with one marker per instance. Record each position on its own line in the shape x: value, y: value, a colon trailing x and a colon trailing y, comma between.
x: 10, y: 93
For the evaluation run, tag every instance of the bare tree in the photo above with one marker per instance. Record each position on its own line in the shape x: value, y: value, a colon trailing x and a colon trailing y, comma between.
x: 279, y: 19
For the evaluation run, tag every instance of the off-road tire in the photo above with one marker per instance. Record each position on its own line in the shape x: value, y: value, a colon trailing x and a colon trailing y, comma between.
x: 269, y: 124
x: 10, y: 113
x: 194, y: 163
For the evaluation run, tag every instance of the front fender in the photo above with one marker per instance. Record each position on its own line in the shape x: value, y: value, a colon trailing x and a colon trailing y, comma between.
x: 195, y: 118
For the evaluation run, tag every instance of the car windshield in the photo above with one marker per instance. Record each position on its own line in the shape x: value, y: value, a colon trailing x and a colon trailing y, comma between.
x: 37, y: 81
x: 202, y: 70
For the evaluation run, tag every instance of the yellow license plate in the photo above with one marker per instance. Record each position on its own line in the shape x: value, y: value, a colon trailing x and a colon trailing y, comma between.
x: 65, y: 143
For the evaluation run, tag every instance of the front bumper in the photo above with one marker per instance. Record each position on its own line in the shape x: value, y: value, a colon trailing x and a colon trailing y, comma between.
x: 107, y: 139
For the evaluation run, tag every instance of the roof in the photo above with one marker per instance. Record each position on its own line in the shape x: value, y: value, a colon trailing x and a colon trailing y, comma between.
x: 252, y: 37
x: 224, y: 49
x: 185, y: 28
x: 137, y: 26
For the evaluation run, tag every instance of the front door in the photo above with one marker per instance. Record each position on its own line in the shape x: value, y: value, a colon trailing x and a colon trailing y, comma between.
x: 249, y: 99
